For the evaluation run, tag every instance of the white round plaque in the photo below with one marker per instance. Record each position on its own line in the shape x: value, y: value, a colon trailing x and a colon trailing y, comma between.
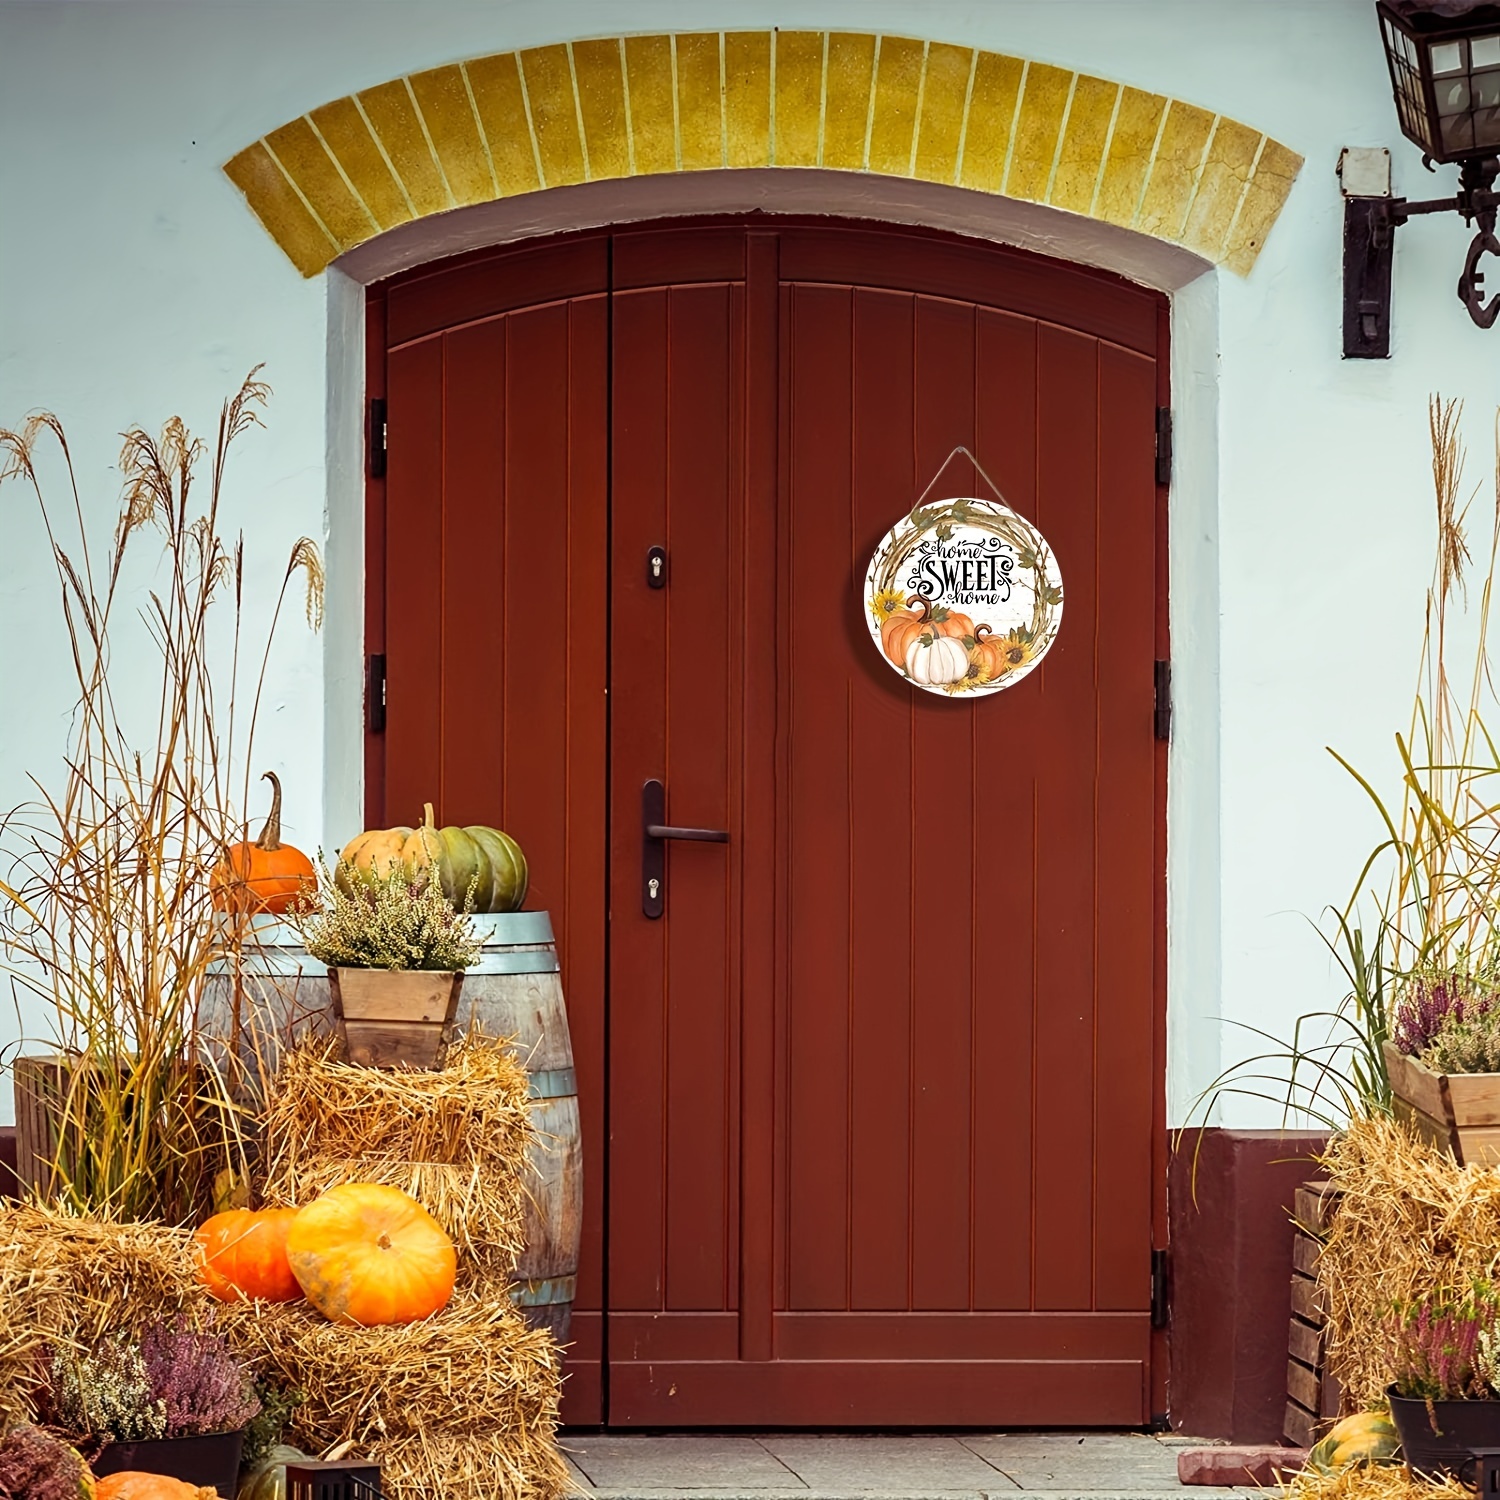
x: 963, y: 596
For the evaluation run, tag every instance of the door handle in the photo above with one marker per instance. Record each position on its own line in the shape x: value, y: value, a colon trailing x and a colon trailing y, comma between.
x: 654, y: 834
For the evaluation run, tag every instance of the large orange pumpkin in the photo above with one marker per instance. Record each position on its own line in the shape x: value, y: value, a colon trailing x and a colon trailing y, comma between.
x: 904, y: 627
x: 370, y: 1254
x: 267, y: 875
x: 241, y: 1254
x: 134, y: 1484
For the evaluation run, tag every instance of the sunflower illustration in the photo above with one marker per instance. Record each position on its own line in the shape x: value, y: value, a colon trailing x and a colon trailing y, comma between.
x: 1017, y: 648
x: 885, y: 604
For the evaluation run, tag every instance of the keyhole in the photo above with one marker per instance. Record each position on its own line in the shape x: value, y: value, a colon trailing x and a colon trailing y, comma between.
x: 654, y: 887
x: 656, y: 567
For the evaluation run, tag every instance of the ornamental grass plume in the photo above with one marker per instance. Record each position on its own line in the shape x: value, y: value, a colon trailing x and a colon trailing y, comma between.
x: 107, y: 914
x: 393, y: 921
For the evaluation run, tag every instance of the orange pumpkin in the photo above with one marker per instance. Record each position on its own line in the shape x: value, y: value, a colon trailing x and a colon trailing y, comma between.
x: 904, y: 627
x: 999, y: 654
x: 267, y: 875
x: 990, y: 652
x: 370, y: 1254
x: 134, y: 1484
x: 241, y: 1255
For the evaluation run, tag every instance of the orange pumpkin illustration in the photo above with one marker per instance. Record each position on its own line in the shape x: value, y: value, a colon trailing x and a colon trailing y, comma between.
x: 898, y: 632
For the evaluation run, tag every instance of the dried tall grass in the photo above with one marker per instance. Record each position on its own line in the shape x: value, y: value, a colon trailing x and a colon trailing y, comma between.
x: 106, y: 913
x: 1410, y: 1224
x: 1425, y: 898
x: 455, y: 1138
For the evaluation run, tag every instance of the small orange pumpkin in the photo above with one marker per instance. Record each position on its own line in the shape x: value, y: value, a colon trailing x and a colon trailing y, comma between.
x: 134, y: 1484
x: 241, y: 1254
x: 989, y: 652
x: 267, y: 875
x: 368, y: 1254
x: 902, y: 628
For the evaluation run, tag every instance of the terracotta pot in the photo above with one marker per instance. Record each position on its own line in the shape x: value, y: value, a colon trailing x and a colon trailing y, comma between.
x: 395, y: 1018
x: 210, y: 1459
x: 1461, y: 1427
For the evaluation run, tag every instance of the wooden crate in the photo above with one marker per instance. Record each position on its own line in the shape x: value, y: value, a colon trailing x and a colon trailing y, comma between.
x: 1312, y: 1394
x: 1457, y: 1112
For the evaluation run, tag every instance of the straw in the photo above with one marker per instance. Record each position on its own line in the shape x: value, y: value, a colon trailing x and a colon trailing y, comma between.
x: 1410, y: 1223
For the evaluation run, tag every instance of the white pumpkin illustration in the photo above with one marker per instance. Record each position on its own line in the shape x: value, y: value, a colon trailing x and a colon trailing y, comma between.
x: 932, y: 660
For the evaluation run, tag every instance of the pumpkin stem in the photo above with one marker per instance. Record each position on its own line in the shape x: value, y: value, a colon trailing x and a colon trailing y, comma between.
x: 270, y: 835
x: 924, y: 603
x: 980, y: 631
x: 427, y: 813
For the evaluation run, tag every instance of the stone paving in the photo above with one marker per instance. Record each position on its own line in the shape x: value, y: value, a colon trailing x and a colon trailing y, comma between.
x: 967, y: 1466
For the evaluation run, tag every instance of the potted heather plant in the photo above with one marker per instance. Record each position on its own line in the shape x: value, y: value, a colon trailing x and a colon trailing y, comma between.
x: 175, y: 1402
x: 396, y: 949
x: 1443, y: 1058
x: 38, y: 1465
x: 1445, y: 1362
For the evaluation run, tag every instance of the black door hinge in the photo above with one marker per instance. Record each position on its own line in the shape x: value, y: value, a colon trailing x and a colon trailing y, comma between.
x: 1160, y: 1288
x: 376, y: 437
x: 1164, y: 700
x: 1164, y: 445
x: 375, y: 693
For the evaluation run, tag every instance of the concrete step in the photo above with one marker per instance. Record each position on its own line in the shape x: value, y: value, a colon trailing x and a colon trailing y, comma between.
x: 842, y: 1466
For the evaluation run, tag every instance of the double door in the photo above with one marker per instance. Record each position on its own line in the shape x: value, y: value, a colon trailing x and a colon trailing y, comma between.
x: 871, y: 1079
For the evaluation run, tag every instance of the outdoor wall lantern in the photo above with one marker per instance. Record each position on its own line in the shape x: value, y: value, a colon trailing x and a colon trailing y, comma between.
x: 1444, y: 59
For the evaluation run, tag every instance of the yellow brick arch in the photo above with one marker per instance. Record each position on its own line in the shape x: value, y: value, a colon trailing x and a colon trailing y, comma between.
x: 584, y: 111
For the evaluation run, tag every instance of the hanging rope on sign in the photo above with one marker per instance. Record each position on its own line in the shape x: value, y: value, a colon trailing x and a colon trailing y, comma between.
x: 978, y: 467
x: 963, y: 596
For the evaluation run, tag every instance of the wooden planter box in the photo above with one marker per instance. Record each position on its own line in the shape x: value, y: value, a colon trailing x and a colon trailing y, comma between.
x: 1457, y: 1112
x: 396, y: 1018
x: 41, y: 1091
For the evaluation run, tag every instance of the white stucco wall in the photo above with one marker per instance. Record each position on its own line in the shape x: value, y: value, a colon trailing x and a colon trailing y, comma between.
x: 135, y: 283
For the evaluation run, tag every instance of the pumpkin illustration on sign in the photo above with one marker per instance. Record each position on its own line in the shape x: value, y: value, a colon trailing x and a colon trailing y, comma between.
x: 963, y: 597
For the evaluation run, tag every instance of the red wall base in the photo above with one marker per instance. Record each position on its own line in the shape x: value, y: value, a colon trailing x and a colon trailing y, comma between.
x: 1231, y: 1266
x: 7, y: 1161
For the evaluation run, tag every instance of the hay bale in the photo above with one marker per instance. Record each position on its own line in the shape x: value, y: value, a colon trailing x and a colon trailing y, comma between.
x: 474, y: 1366
x: 474, y: 1466
x: 1410, y: 1223
x: 66, y: 1280
x: 1373, y: 1482
x: 456, y: 1139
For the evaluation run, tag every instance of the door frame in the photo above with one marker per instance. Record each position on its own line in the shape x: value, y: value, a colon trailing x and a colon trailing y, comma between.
x: 373, y: 512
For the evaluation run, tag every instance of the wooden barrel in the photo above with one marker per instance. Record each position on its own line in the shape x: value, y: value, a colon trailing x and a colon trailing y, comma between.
x: 278, y: 994
x: 515, y: 990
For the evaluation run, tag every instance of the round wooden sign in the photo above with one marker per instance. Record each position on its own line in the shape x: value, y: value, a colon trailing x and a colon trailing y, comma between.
x: 963, y: 596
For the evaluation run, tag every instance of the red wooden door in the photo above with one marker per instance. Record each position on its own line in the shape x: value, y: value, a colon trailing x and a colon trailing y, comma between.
x: 884, y: 1077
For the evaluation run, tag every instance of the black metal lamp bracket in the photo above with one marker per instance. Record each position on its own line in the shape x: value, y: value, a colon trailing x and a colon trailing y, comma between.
x: 1370, y: 246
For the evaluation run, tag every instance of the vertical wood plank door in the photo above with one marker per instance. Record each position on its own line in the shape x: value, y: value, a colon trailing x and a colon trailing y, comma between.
x: 874, y: 1104
x: 490, y: 531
